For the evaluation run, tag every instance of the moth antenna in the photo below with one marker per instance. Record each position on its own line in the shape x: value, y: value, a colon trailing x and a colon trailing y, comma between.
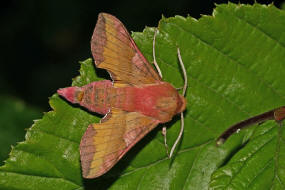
x: 184, y: 72
x: 183, y: 93
x: 164, y: 131
x: 153, y: 54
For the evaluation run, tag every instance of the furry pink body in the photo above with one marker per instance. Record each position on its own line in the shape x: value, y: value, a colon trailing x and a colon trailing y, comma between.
x: 160, y: 101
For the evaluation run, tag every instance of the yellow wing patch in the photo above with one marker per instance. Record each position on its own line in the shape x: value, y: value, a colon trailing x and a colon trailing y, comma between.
x: 104, y: 144
x: 114, y: 50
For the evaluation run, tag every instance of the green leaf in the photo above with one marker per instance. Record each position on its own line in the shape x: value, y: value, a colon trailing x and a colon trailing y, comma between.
x: 15, y: 117
x: 49, y: 157
x: 235, y: 68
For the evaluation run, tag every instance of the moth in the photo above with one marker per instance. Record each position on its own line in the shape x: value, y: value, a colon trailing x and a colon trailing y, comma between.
x: 134, y: 102
x: 277, y: 114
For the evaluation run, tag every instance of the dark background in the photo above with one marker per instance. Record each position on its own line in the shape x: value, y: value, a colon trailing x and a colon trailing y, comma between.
x: 42, y: 41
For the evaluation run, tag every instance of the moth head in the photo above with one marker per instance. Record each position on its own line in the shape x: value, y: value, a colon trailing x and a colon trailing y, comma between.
x: 170, y: 106
x: 72, y: 94
x: 181, y: 104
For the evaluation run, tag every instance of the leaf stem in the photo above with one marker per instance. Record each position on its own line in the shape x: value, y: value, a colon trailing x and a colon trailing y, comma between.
x: 277, y: 114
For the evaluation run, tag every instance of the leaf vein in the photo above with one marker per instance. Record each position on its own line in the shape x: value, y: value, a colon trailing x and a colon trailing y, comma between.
x: 259, y: 173
x: 54, y: 135
x: 190, y: 171
x: 230, y: 58
x: 38, y: 176
x: 247, y: 159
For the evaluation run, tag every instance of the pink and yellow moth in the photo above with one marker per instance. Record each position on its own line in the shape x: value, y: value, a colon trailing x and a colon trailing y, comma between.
x: 134, y: 102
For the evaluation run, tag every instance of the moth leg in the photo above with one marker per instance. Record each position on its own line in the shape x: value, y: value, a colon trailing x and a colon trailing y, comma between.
x: 180, y: 88
x: 183, y: 93
x: 164, y: 130
x: 165, y: 140
x: 153, y: 54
